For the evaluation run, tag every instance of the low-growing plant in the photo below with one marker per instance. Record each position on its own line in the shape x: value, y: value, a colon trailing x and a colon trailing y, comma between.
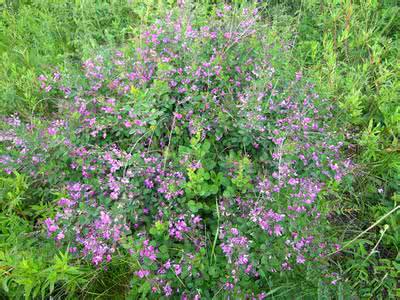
x: 193, y: 157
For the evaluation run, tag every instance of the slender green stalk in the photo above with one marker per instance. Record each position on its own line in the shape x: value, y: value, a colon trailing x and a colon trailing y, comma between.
x: 216, y: 232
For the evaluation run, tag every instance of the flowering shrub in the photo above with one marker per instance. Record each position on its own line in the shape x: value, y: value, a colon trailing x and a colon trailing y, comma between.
x: 193, y: 155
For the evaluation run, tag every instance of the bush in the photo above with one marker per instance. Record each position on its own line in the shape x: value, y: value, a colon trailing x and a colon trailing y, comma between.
x: 200, y: 157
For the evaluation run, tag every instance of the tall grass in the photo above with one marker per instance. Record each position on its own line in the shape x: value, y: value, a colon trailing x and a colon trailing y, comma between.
x: 38, y: 35
x: 351, y: 49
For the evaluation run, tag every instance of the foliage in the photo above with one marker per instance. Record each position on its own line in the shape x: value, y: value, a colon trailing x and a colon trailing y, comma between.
x: 351, y: 49
x: 199, y: 150
x: 36, y: 35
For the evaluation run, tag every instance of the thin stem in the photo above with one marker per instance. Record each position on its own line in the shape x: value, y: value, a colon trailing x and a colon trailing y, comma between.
x: 366, y: 230
x: 216, y: 233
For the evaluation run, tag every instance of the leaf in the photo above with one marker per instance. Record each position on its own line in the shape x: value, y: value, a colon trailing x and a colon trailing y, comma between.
x: 5, y: 284
x: 205, y: 147
x: 213, y: 189
x: 193, y: 206
x: 145, y: 288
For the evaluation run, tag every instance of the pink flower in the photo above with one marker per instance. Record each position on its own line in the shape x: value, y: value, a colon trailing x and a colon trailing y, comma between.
x: 42, y: 78
x: 167, y: 265
x: 178, y: 269
x: 300, y: 259
x: 60, y: 236
x: 97, y: 259
x: 178, y: 116
x: 139, y: 123
x: 56, y: 76
x: 234, y: 231
x: 227, y: 35
x: 105, y: 218
x: 167, y: 290
x: 229, y: 286
x: 51, y: 226
x: 51, y: 131
x: 242, y: 260
x: 278, y: 230
x: 142, y: 273
x: 299, y: 75
x: 196, y: 219
x: 148, y: 251
x: 107, y: 109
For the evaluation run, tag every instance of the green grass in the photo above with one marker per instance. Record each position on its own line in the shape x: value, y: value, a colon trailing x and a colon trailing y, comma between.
x: 36, y: 36
x: 351, y: 50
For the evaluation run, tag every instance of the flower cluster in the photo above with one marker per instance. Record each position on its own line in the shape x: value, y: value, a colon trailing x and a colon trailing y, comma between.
x: 192, y: 155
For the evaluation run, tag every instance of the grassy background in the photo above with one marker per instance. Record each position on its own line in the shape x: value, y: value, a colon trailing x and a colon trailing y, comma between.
x: 38, y: 35
x: 350, y: 49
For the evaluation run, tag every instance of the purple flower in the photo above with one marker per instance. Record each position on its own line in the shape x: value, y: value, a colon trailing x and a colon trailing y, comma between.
x: 196, y: 219
x: 42, y: 78
x: 178, y: 269
x: 299, y: 75
x: 227, y: 249
x: 51, y: 226
x: 52, y: 131
x: 138, y: 123
x: 60, y: 236
x: 242, y: 260
x: 234, y: 231
x: 278, y: 230
x: 167, y: 290
x: 229, y: 286
x: 97, y: 259
x: 148, y: 251
x: 142, y: 273
x: 178, y: 116
x: 300, y: 259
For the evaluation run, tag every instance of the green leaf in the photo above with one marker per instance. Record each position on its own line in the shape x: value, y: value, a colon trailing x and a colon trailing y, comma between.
x: 145, y: 289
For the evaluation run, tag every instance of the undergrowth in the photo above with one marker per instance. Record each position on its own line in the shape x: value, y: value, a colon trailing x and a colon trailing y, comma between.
x: 156, y: 149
